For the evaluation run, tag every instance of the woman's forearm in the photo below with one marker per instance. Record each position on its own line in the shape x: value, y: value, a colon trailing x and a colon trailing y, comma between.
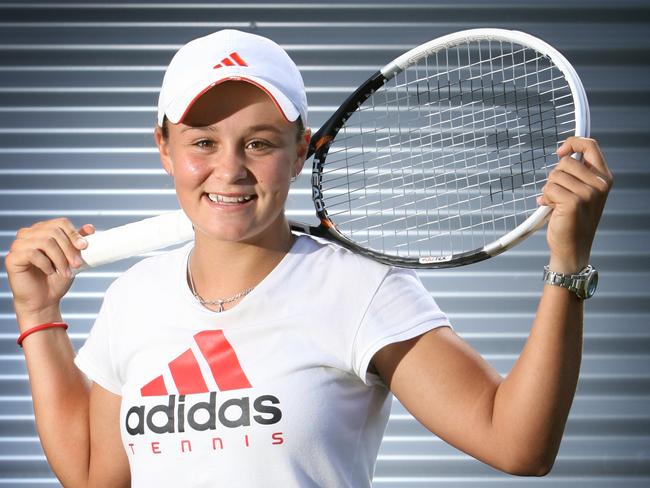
x: 532, y: 404
x: 60, y: 394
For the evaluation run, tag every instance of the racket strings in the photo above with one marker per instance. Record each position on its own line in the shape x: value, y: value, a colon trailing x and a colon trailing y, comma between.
x: 452, y: 135
x: 411, y: 140
x: 358, y: 160
x: 551, y: 110
x: 440, y: 207
x: 342, y: 181
x: 450, y: 153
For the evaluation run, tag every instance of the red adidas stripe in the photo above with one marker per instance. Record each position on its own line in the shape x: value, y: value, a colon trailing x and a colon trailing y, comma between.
x: 238, y: 59
x: 187, y: 374
x: 222, y: 359
x: 230, y: 61
x: 154, y: 387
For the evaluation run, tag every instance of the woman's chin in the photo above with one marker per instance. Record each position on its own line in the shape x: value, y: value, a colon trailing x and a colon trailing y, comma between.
x: 228, y: 234
x: 236, y: 232
x: 243, y: 226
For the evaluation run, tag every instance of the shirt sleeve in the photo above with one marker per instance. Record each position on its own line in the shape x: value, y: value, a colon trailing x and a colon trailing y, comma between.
x: 401, y: 309
x: 94, y: 357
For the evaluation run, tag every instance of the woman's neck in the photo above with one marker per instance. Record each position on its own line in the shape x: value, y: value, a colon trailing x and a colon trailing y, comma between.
x: 222, y: 269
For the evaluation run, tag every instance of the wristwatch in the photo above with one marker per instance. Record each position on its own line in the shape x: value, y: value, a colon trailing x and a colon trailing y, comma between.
x: 583, y: 284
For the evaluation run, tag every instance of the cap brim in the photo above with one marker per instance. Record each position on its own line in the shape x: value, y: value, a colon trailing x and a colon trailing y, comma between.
x: 177, y: 109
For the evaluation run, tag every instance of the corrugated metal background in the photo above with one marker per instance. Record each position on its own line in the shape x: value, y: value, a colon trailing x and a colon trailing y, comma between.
x: 78, y: 89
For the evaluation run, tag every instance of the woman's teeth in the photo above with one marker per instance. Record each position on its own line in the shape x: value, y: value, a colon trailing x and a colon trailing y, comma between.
x: 223, y: 199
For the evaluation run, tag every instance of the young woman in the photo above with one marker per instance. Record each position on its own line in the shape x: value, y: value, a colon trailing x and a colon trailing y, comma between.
x: 209, y: 366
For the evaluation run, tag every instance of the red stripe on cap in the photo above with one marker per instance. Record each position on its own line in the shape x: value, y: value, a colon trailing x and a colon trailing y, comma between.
x: 269, y: 94
x: 154, y: 387
x: 222, y: 359
x: 238, y: 59
x: 187, y: 374
x: 217, y: 66
x: 227, y: 62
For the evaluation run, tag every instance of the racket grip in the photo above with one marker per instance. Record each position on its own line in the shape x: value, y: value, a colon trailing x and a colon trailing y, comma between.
x: 136, y: 238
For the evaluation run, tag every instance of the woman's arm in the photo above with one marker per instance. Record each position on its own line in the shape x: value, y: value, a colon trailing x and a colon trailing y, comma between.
x: 77, y: 421
x: 60, y: 395
x: 78, y: 424
x: 514, y: 424
x: 109, y: 464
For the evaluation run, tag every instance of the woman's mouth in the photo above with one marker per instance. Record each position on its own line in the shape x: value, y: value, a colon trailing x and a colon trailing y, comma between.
x: 230, y: 201
x: 218, y: 198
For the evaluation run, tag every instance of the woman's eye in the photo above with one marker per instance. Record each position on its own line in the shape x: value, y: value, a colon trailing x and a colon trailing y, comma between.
x: 258, y: 145
x: 204, y: 144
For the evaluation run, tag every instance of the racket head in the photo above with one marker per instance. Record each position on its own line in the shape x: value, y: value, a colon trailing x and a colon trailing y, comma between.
x: 437, y: 159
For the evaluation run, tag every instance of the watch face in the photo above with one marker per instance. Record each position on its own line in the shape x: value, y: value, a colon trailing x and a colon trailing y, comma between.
x: 592, y: 283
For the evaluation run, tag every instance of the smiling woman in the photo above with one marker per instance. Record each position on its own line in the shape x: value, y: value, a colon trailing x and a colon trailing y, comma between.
x: 208, y: 364
x: 232, y: 159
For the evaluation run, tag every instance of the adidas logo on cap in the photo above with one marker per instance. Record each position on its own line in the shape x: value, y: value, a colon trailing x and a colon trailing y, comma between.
x: 232, y: 60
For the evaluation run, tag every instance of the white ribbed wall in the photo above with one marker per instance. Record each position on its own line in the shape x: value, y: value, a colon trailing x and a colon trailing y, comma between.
x: 78, y: 89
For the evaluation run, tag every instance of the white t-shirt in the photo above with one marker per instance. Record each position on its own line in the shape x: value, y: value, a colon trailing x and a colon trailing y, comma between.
x: 272, y: 392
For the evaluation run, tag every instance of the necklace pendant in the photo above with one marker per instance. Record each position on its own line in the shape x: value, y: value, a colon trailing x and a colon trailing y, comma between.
x: 218, y: 301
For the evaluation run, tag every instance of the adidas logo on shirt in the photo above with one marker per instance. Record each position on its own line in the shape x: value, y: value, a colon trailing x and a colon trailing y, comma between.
x: 186, y: 372
x: 184, y: 413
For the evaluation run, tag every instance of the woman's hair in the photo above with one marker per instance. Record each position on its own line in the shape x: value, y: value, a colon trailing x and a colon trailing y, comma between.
x: 298, y: 123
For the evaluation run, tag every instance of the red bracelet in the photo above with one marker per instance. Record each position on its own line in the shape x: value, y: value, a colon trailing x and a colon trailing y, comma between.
x: 22, y: 336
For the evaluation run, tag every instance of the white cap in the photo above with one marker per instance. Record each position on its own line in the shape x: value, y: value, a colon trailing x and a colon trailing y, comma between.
x: 231, y: 55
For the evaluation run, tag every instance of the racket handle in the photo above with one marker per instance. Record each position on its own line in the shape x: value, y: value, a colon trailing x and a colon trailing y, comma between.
x: 136, y: 238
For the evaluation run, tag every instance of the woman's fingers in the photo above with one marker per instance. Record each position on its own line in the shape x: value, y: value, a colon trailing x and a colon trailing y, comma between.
x: 590, y: 178
x: 86, y: 230
x: 592, y: 158
x: 40, y: 260
x: 583, y: 173
x: 69, y: 243
x: 57, y: 249
x: 52, y: 246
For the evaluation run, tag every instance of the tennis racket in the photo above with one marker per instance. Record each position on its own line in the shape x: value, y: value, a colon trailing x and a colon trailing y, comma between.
x: 435, y: 161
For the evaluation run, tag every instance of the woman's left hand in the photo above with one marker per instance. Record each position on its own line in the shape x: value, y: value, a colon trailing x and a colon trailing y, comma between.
x: 576, y: 191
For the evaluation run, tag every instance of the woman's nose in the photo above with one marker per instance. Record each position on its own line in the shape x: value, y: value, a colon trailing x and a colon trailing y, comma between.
x: 230, y: 165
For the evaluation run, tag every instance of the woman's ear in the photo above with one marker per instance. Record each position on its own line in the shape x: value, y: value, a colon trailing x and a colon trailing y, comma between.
x: 163, y: 150
x: 303, y: 147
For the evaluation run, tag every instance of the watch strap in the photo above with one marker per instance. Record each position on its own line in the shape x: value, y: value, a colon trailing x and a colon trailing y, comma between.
x: 574, y: 282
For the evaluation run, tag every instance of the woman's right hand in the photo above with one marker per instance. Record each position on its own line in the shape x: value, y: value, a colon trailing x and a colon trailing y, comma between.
x: 39, y: 263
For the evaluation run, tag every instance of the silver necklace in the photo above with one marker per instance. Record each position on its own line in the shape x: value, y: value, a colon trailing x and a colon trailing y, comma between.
x: 219, y: 302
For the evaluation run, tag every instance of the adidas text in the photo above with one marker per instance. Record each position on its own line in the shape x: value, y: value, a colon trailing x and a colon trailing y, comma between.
x: 232, y: 413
